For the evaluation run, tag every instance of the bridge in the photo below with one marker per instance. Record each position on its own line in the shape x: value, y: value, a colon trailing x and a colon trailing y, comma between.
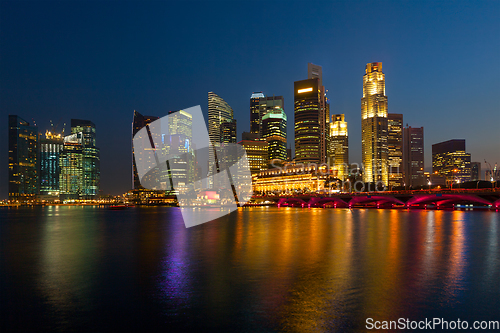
x: 437, y: 199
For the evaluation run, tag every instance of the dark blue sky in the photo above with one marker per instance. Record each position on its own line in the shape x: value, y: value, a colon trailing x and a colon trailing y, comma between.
x: 102, y: 60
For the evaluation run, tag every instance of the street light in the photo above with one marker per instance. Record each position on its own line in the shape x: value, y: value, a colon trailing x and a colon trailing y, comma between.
x: 429, y: 182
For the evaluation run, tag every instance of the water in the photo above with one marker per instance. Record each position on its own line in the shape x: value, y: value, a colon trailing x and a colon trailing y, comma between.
x: 257, y: 269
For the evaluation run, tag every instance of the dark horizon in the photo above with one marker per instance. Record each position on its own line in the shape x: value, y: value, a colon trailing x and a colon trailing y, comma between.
x: 100, y: 61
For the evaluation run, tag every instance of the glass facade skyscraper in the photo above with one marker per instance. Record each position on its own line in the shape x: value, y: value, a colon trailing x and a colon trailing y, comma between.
x: 254, y: 112
x: 23, y: 160
x: 274, y: 132
x: 395, y: 149
x: 449, y: 159
x: 338, y: 151
x: 72, y: 171
x: 138, y: 122
x: 51, y: 148
x: 374, y: 125
x: 413, y: 157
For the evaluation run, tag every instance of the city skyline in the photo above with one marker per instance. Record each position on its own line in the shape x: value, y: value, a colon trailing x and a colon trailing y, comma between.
x: 427, y: 86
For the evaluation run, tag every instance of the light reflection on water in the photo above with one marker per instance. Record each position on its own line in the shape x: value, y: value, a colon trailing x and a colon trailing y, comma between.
x: 287, y: 269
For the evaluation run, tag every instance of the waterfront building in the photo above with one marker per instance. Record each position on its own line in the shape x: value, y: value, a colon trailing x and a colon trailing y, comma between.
x: 310, y: 110
x: 255, y: 112
x: 450, y: 159
x: 395, y: 149
x: 218, y: 112
x: 274, y: 132
x: 71, y: 162
x: 338, y: 152
x: 291, y: 179
x: 138, y: 122
x: 91, y: 174
x: 23, y: 160
x: 266, y: 105
x: 413, y: 157
x: 374, y: 149
x: 475, y: 171
x: 257, y: 154
x: 51, y: 148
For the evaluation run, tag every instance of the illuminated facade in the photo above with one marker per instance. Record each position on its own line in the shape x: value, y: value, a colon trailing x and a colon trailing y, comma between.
x: 291, y: 179
x: 374, y: 125
x: 228, y: 131
x: 395, y: 149
x: 218, y: 112
x: 449, y: 159
x: 71, y: 167
x: 338, y: 152
x: 91, y: 172
x: 23, y: 160
x: 139, y: 122
x: 254, y: 112
x: 274, y: 132
x: 266, y: 105
x: 257, y: 154
x: 413, y: 157
x: 50, y: 150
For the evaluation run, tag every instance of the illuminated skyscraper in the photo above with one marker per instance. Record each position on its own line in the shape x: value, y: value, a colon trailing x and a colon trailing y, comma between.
x: 274, y: 132
x: 71, y: 161
x: 23, y: 160
x: 449, y: 159
x: 257, y: 154
x: 254, y: 112
x: 338, y: 152
x: 139, y: 122
x: 51, y: 148
x: 374, y: 125
x: 310, y: 106
x: 228, y: 131
x: 413, y: 157
x: 266, y: 105
x: 91, y: 158
x: 395, y: 149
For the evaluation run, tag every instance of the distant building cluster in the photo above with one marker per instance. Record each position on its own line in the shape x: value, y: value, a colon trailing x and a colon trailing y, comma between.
x: 53, y: 166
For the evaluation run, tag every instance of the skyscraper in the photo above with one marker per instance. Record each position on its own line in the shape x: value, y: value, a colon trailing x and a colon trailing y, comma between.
x: 475, y: 171
x: 23, y: 160
x: 310, y: 109
x: 228, y: 131
x: 71, y: 163
x: 266, y: 105
x: 338, y: 152
x: 91, y: 175
x: 257, y: 154
x: 395, y: 149
x: 138, y: 122
x: 254, y: 111
x: 51, y: 148
x: 413, y: 157
x: 374, y: 125
x: 274, y: 132
x: 449, y: 159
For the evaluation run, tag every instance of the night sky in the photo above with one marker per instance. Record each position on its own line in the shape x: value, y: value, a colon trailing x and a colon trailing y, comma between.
x: 102, y: 60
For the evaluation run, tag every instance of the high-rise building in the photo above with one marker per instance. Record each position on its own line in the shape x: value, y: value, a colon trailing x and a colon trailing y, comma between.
x: 395, y: 149
x: 257, y: 154
x: 254, y: 111
x: 413, y: 157
x: 71, y: 161
x: 274, y: 132
x: 449, y: 159
x: 138, y: 122
x: 23, y: 160
x: 51, y: 148
x: 338, y: 152
x: 218, y: 112
x: 315, y: 71
x: 269, y: 104
x: 91, y: 175
x: 228, y: 131
x: 374, y: 125
x: 475, y: 171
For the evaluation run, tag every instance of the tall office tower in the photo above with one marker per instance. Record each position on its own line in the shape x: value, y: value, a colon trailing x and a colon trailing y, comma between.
x: 228, y: 131
x: 91, y: 158
x: 218, y: 112
x: 257, y: 154
x: 395, y: 149
x: 449, y: 159
x: 338, y: 152
x: 310, y: 108
x: 374, y: 125
x: 413, y: 157
x: 139, y: 122
x: 274, y: 132
x: 269, y: 104
x: 71, y: 162
x: 475, y: 171
x: 50, y: 150
x: 254, y: 111
x: 23, y: 160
